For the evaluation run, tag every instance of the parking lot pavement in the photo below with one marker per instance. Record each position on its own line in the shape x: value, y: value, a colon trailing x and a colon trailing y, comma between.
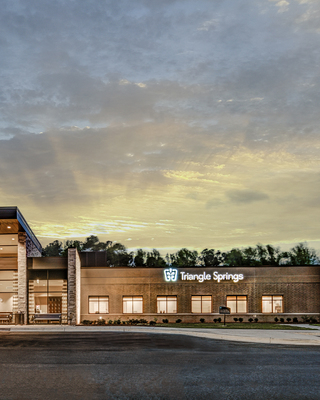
x: 109, y: 364
x: 290, y: 337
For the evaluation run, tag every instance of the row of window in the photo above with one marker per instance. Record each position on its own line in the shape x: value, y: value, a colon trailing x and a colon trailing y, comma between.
x: 199, y: 304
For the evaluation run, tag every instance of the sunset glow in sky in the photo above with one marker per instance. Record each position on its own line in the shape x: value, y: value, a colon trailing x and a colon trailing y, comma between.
x: 162, y: 124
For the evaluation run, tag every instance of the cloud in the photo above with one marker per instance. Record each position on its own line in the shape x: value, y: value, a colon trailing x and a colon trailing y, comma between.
x: 173, y: 110
x: 246, y: 196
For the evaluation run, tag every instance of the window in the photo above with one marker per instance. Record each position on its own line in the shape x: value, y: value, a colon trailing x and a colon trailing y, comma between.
x: 166, y: 304
x: 132, y: 304
x: 98, y: 305
x: 272, y: 304
x: 201, y: 304
x: 237, y: 304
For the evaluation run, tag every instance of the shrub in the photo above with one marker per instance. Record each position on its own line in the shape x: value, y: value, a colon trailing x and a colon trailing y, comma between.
x: 282, y: 320
x: 250, y: 319
x: 276, y: 319
x: 313, y: 320
x: 143, y: 321
x: 152, y: 322
x: 202, y: 320
x: 86, y: 322
x: 288, y: 319
x: 305, y: 318
x: 256, y: 319
x: 165, y: 320
x: 295, y: 320
x: 240, y: 319
x: 178, y: 321
x: 235, y: 319
x: 124, y: 322
x: 219, y: 319
x: 101, y: 321
x: 110, y: 322
x: 215, y: 320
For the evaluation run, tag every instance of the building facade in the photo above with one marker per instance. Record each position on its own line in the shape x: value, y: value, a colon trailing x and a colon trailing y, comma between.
x: 83, y: 287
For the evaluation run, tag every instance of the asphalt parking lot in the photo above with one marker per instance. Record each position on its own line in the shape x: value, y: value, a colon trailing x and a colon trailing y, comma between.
x: 126, y: 365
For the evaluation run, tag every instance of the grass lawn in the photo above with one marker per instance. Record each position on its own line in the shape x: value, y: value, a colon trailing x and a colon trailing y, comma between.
x: 235, y: 325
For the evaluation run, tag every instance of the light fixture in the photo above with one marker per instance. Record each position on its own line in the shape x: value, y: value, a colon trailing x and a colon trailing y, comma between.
x: 37, y: 280
x: 0, y: 248
x: 12, y: 238
x: 9, y: 227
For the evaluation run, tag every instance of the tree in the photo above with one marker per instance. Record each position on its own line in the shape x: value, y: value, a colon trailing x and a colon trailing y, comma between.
x: 184, y: 258
x: 117, y: 255
x: 53, y: 249
x: 212, y: 258
x: 154, y: 259
x: 234, y: 258
x: 302, y: 255
x: 90, y: 242
x: 71, y: 244
x: 140, y: 258
x: 269, y: 255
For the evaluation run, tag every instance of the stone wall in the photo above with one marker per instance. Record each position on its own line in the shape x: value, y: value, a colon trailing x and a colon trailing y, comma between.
x: 74, y: 290
x: 22, y: 275
x: 32, y: 251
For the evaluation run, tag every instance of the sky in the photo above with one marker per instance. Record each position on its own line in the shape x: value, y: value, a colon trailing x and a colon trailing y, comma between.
x: 162, y: 124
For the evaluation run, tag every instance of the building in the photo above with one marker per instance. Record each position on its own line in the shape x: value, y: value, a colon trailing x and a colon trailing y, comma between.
x: 82, y: 287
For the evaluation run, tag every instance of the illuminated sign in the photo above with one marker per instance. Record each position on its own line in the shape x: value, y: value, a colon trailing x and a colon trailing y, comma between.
x: 171, y: 275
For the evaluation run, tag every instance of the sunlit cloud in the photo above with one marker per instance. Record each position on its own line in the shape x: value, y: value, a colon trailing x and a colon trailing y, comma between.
x: 173, y: 124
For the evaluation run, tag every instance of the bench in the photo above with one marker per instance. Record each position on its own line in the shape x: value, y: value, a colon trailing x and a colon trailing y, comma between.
x: 47, y: 317
x: 6, y: 317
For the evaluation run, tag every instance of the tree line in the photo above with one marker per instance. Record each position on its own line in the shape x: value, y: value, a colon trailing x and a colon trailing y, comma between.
x: 259, y: 255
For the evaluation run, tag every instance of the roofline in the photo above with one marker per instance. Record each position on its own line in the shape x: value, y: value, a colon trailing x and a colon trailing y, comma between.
x: 24, y: 225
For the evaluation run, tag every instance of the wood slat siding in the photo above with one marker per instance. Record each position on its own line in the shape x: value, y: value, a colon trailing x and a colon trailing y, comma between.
x: 8, y: 263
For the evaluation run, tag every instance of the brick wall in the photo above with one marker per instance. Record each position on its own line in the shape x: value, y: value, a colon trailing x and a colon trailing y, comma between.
x: 299, y: 286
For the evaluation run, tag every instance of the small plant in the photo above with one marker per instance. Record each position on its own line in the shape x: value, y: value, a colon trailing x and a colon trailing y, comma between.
x: 152, y: 322
x: 178, y: 321
x: 235, y: 319
x: 110, y: 322
x: 124, y: 322
x: 295, y: 320
x: 219, y: 319
x: 165, y: 320
x: 288, y: 319
x: 282, y: 320
x: 276, y: 319
x: 101, y: 321
x: 143, y: 321
x: 250, y: 320
x: 256, y: 319
x: 202, y: 320
x: 240, y: 319
x: 215, y: 320
x: 313, y: 320
x: 86, y: 322
x: 155, y: 319
x: 305, y: 319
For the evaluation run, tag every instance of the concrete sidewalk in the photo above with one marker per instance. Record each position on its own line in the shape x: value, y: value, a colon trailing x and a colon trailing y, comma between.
x: 283, y: 337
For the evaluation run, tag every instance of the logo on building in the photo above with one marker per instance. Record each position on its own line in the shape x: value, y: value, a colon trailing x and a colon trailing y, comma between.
x: 170, y: 275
